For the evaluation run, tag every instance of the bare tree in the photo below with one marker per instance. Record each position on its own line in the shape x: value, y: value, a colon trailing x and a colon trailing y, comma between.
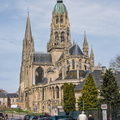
x: 115, y: 63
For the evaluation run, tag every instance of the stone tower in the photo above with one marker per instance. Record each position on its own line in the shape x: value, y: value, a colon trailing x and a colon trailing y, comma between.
x: 27, y: 55
x: 60, y: 31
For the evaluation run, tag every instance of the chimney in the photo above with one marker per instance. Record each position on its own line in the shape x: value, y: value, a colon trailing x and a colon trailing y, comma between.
x: 103, y: 69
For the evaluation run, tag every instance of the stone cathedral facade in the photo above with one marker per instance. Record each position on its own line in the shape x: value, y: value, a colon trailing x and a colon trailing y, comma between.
x: 42, y: 75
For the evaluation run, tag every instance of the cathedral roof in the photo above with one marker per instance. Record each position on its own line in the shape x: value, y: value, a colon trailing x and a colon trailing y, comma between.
x: 50, y: 70
x: 42, y: 57
x: 117, y: 74
x: 73, y: 74
x: 44, y: 81
x: 59, y: 7
x: 75, y: 50
x: 97, y: 78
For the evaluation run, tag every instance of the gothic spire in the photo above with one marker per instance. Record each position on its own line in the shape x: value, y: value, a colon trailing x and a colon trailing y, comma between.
x: 28, y: 33
x: 85, y: 45
x: 92, y: 57
x: 92, y: 51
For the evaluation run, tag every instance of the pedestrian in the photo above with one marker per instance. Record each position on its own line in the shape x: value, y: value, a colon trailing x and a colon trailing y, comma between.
x: 82, y: 116
x: 90, y: 117
x: 6, y: 116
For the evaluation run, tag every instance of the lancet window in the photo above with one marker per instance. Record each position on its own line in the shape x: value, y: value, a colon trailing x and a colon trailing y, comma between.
x: 80, y: 63
x: 68, y: 66
x: 57, y: 92
x: 53, y: 91
x: 38, y: 75
x: 73, y: 64
x: 61, y: 19
x: 43, y: 94
x: 57, y: 19
x: 62, y: 37
x: 56, y: 35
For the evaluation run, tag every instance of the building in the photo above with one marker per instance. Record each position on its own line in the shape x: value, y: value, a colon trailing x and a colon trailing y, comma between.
x: 43, y: 74
x: 3, y: 99
x: 13, y: 99
x: 8, y: 99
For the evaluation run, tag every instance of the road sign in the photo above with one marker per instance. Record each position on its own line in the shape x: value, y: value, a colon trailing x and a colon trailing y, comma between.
x: 104, y: 106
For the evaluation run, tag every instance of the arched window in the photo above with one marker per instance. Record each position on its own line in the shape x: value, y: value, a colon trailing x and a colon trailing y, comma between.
x: 73, y: 64
x: 61, y: 19
x: 80, y: 63
x: 53, y: 91
x: 43, y: 94
x: 62, y: 37
x: 85, y: 65
x: 50, y: 79
x: 68, y: 66
x: 56, y: 35
x: 57, y: 19
x: 38, y: 75
x: 57, y: 92
x: 68, y: 34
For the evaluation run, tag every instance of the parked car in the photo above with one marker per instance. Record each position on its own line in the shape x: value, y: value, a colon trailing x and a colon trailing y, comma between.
x: 37, y: 117
x: 1, y: 116
x: 26, y: 117
x: 44, y: 118
x: 66, y: 117
x: 33, y: 117
x: 15, y: 119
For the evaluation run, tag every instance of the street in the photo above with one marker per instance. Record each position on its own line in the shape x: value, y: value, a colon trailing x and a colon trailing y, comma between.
x: 13, y: 115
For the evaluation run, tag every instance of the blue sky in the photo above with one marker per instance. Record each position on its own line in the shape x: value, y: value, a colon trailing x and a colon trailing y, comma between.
x: 99, y: 18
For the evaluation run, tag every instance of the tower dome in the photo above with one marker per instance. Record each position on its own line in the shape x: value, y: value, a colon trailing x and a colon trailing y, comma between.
x: 59, y: 7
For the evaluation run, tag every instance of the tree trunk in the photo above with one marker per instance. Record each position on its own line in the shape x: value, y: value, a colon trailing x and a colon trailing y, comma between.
x: 110, y: 112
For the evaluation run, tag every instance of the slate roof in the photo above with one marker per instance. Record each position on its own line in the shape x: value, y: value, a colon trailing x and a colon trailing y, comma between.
x: 79, y: 86
x: 3, y: 94
x: 44, y: 81
x: 12, y: 95
x: 75, y: 50
x: 73, y: 74
x: 50, y: 70
x: 97, y: 78
x: 117, y: 74
x: 42, y: 57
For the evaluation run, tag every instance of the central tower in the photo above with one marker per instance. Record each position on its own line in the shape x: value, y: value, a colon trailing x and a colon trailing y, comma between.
x: 60, y: 31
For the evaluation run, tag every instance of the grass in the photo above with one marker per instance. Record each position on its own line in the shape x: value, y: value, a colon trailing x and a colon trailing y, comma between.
x: 19, y: 111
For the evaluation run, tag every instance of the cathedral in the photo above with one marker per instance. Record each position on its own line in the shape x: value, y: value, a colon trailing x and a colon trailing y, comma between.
x: 42, y: 75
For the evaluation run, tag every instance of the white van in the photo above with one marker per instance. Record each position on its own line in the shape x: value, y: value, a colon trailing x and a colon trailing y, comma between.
x: 15, y: 106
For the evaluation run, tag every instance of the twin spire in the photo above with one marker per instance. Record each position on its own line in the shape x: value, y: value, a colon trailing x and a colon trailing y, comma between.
x: 86, y: 47
x: 28, y: 33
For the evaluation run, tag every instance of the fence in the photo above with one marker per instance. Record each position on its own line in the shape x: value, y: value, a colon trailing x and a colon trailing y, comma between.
x: 96, y: 113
